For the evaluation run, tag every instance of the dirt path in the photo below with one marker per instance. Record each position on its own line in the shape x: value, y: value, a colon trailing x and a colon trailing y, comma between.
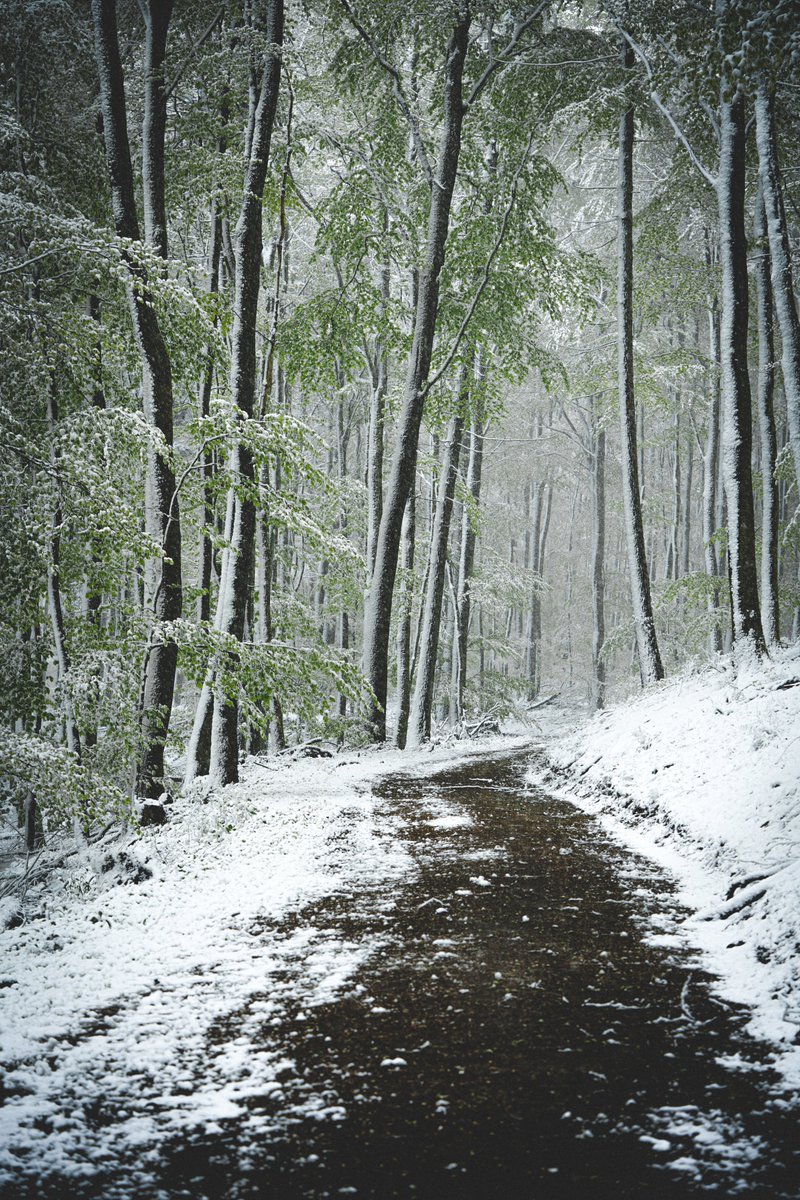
x: 517, y: 1035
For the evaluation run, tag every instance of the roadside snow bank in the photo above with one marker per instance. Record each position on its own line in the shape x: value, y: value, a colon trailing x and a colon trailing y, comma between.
x: 703, y: 773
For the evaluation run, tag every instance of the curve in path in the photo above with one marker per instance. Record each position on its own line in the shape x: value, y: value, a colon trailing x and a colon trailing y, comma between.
x: 521, y: 1033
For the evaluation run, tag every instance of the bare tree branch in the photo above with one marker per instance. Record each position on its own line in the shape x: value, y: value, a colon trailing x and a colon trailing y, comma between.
x: 667, y: 112
x: 486, y: 271
x: 392, y: 71
x: 506, y: 54
x: 204, y: 36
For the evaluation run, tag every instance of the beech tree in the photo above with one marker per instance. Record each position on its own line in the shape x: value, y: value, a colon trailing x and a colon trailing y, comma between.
x: 780, y: 259
x: 728, y: 182
x: 238, y: 561
x: 442, y: 180
x: 649, y: 657
x: 163, y: 511
x: 311, y: 363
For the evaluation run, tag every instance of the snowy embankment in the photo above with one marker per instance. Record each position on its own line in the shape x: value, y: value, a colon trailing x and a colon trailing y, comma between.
x: 131, y: 954
x: 703, y: 773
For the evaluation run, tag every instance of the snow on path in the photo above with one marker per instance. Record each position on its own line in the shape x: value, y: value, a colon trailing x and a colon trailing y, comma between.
x: 703, y: 774
x: 108, y: 1001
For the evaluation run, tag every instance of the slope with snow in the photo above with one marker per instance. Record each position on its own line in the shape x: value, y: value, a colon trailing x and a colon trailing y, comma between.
x: 703, y: 773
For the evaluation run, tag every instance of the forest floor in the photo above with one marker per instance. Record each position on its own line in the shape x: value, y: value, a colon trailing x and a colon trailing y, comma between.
x: 386, y: 975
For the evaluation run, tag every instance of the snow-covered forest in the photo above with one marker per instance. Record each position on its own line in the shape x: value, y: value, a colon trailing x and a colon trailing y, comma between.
x: 377, y: 377
x: 318, y: 325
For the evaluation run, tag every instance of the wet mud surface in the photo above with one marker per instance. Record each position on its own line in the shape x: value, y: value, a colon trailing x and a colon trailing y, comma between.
x: 519, y: 1033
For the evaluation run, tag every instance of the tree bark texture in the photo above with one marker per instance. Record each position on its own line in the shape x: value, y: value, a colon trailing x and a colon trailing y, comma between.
x: 378, y: 612
x: 767, y: 431
x: 781, y: 263
x: 736, y: 401
x: 598, y: 465
x: 248, y: 243
x: 419, y: 729
x: 54, y: 603
x: 650, y: 667
x: 206, y: 545
x: 375, y: 436
x: 466, y: 558
x: 404, y: 621
x: 534, y: 629
x: 686, y: 530
x: 710, y: 474
x: 157, y: 14
x: 158, y: 684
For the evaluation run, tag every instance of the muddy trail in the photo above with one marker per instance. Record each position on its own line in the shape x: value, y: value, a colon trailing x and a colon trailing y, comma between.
x: 529, y: 1027
x: 516, y: 1035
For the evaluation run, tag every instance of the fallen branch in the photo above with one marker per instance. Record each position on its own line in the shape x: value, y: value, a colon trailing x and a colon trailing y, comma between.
x: 541, y: 703
x: 757, y: 877
x: 687, y: 1012
x: 745, y: 896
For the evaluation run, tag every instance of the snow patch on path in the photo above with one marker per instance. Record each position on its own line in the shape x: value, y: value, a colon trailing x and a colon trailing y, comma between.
x: 118, y: 997
x: 703, y: 774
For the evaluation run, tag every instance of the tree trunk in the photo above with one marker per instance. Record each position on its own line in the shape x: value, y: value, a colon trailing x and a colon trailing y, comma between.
x: 598, y: 558
x: 377, y: 404
x: 248, y: 241
x: 378, y: 611
x: 32, y: 818
x: 206, y: 546
x: 766, y: 425
x: 673, y: 554
x: 537, y: 496
x: 736, y: 406
x: 538, y: 541
x: 650, y: 667
x: 54, y: 596
x: 710, y: 473
x: 686, y: 531
x: 163, y: 515
x: 466, y: 558
x: 198, y: 751
x: 404, y: 622
x: 342, y: 442
x: 94, y: 593
x: 421, y: 706
x: 157, y: 14
x: 781, y: 263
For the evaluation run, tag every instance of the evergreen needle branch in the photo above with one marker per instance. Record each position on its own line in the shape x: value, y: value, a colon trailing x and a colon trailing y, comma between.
x: 486, y: 272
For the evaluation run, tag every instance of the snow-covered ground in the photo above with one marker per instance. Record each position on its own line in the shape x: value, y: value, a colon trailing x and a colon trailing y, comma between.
x: 135, y: 951
x: 132, y: 951
x: 703, y: 773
